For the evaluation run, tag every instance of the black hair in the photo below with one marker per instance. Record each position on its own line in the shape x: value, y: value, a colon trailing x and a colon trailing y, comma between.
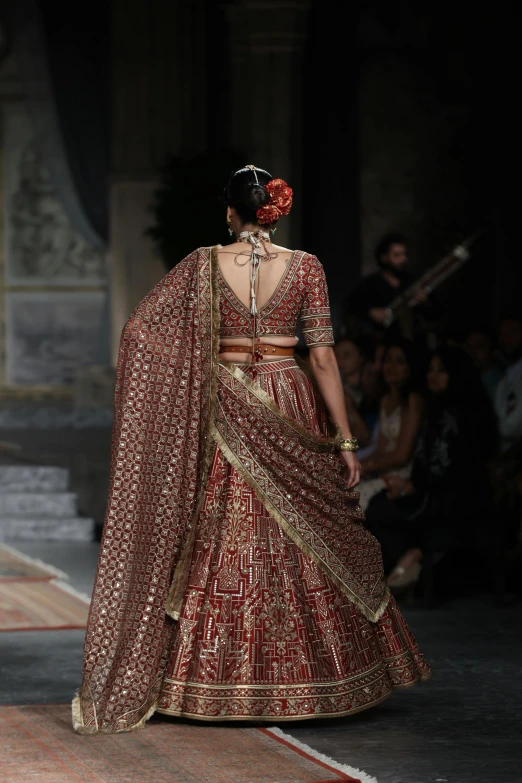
x: 465, y: 394
x: 416, y: 359
x: 246, y: 194
x: 477, y: 328
x: 385, y: 242
x: 363, y: 345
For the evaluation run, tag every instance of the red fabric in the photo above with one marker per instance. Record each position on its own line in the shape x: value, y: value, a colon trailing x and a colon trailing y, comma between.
x: 302, y: 294
x: 283, y: 579
x: 264, y: 633
x: 160, y: 438
x: 299, y: 477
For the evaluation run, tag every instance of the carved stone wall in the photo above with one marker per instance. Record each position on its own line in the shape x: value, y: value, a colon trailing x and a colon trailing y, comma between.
x: 42, y: 247
x: 52, y: 282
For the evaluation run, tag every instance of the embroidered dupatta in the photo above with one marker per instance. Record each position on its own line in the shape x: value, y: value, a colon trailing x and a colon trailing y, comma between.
x: 173, y: 401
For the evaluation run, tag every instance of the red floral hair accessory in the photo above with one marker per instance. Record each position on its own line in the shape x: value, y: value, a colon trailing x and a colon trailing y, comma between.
x: 280, y: 202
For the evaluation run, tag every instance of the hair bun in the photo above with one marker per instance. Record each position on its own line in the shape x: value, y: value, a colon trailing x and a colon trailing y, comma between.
x: 255, y: 196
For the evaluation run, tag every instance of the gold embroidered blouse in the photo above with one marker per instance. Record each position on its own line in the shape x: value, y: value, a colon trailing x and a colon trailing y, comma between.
x: 301, y: 293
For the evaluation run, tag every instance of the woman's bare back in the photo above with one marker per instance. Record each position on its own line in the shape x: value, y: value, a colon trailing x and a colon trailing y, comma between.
x: 234, y: 265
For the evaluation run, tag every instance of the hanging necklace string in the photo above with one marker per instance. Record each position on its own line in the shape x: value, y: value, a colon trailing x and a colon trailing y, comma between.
x: 259, y: 252
x: 257, y: 240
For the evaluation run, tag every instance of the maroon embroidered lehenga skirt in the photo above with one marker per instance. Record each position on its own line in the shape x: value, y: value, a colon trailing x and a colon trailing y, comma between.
x: 263, y: 632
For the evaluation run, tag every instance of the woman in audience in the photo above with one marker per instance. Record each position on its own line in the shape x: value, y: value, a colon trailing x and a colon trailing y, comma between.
x: 353, y: 359
x: 372, y: 385
x: 440, y: 507
x: 400, y: 418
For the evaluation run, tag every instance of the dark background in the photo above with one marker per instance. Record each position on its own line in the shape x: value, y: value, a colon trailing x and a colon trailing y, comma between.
x: 382, y: 115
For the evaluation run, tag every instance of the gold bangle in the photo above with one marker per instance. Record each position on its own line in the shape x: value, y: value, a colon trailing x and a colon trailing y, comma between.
x: 348, y: 444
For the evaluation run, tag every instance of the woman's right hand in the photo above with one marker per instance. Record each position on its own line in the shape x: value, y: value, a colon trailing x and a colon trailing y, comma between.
x: 399, y: 487
x: 353, y: 467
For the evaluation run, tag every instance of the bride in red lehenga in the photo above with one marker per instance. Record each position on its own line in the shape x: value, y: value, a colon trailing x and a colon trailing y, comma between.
x: 236, y: 579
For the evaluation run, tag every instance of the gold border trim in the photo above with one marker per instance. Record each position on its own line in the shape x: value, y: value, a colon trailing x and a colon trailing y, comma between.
x: 275, y: 718
x: 371, y: 615
x: 308, y: 716
x: 255, y: 388
x: 282, y: 686
x: 316, y: 314
x: 80, y: 728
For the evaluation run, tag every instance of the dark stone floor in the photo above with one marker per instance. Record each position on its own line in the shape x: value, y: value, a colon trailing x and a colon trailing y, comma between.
x: 463, y: 726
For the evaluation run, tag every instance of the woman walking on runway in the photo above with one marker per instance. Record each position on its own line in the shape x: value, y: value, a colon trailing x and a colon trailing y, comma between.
x: 236, y: 579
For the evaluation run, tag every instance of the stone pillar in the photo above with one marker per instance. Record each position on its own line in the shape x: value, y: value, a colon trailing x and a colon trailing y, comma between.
x: 396, y: 133
x: 418, y: 123
x: 266, y: 51
x: 159, y: 111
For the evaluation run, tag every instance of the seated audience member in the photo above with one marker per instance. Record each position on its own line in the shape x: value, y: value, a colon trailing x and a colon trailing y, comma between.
x: 353, y: 359
x: 508, y: 395
x: 400, y: 417
x: 507, y: 467
x: 442, y: 506
x: 480, y: 347
x: 371, y: 381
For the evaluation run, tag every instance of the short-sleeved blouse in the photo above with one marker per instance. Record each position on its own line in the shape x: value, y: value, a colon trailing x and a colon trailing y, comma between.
x: 301, y: 293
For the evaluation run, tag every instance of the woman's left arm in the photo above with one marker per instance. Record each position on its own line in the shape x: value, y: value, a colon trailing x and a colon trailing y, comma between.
x: 326, y: 372
x: 317, y: 330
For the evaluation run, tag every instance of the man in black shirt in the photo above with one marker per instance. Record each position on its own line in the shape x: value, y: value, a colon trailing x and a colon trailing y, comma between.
x: 366, y: 307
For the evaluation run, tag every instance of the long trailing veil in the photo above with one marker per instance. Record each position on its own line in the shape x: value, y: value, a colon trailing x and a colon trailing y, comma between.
x: 174, y: 404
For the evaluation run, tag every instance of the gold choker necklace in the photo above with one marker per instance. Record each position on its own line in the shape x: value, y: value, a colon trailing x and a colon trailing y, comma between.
x: 258, y: 234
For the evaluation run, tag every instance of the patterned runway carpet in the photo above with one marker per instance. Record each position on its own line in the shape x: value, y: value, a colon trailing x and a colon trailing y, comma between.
x: 14, y: 566
x: 38, y: 744
x: 39, y: 605
x: 32, y: 598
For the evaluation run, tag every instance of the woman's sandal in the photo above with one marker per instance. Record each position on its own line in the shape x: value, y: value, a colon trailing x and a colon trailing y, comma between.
x: 403, y: 577
x: 406, y: 575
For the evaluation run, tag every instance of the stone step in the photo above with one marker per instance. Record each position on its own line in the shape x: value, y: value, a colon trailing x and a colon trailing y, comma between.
x: 43, y: 529
x: 47, y: 417
x: 33, y: 478
x: 30, y: 504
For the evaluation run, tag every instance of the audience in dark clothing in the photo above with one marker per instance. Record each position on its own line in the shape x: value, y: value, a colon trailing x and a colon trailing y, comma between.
x: 366, y: 308
x: 446, y: 502
x: 508, y: 394
x: 460, y: 485
x: 507, y: 466
x: 479, y: 344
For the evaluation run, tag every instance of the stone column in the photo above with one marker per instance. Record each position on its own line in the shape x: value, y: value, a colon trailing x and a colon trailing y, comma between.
x: 159, y: 110
x: 266, y: 51
x: 417, y: 132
